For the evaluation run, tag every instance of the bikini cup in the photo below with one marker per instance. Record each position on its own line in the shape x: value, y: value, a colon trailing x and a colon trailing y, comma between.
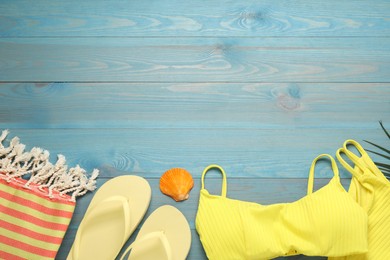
x: 370, y: 188
x: 327, y: 222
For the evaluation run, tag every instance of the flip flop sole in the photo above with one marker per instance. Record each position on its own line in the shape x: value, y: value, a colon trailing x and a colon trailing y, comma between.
x: 175, y: 227
x: 104, y: 236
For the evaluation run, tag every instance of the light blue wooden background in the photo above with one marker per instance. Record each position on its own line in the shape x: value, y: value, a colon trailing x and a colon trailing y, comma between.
x: 138, y: 87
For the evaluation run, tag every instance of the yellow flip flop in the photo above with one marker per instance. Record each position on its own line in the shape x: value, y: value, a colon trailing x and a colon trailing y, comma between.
x: 165, y: 235
x: 113, y: 214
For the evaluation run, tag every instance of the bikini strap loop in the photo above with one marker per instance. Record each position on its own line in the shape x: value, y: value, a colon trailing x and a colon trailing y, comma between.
x: 359, y: 168
x: 335, y: 169
x: 354, y: 158
x: 223, y: 177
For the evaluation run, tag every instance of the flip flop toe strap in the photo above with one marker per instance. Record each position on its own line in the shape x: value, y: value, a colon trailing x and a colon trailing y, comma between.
x: 107, y: 206
x: 160, y: 235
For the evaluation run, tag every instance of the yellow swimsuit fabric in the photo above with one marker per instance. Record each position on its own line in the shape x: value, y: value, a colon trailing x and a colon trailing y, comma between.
x: 327, y: 222
x: 370, y: 188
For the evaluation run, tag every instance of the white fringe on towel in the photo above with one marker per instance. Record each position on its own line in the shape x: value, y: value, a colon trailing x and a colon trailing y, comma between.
x: 15, y: 162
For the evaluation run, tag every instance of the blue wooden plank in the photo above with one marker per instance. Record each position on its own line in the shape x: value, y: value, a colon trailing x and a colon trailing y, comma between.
x: 194, y: 18
x: 246, y: 153
x: 258, y: 87
x: 196, y: 105
x: 194, y: 60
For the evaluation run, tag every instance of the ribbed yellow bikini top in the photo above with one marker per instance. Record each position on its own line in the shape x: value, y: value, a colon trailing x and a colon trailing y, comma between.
x: 327, y: 222
x: 370, y: 188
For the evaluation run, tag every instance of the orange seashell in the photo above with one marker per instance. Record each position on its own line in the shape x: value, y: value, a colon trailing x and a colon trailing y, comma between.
x: 176, y: 183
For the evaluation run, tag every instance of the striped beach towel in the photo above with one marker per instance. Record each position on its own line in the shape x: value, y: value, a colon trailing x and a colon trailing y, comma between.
x: 37, y: 200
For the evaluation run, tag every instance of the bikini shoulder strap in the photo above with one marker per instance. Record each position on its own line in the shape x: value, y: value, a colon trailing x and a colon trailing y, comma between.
x: 335, y: 169
x: 363, y: 163
x: 223, y: 177
x: 359, y: 168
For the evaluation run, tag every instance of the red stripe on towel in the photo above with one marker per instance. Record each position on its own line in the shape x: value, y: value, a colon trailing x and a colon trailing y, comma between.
x: 26, y: 247
x: 32, y: 219
x: 36, y: 206
x: 29, y: 233
x: 18, y: 183
x: 5, y: 255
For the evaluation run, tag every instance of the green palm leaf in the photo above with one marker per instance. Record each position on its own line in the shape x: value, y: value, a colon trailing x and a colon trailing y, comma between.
x: 384, y: 129
x: 385, y: 171
x: 384, y: 167
x: 385, y: 156
x: 378, y: 146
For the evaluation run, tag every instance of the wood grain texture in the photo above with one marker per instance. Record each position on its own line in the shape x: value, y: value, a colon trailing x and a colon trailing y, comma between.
x: 194, y: 105
x: 245, y: 153
x: 139, y: 87
x: 229, y: 18
x: 194, y: 60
